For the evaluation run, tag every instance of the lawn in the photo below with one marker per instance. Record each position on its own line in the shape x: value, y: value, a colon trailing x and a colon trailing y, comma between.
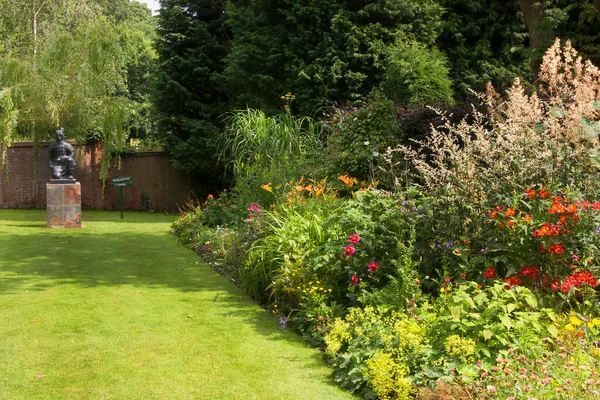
x: 118, y: 310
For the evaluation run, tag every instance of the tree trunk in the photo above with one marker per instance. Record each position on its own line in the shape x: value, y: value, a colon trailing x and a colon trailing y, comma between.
x: 540, y: 34
x: 597, y: 4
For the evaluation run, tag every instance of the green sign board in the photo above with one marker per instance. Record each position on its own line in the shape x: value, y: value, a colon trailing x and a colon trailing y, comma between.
x: 121, y: 183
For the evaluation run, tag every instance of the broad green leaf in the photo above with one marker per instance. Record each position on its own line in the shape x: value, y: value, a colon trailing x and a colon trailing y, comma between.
x: 456, y: 311
x: 506, y: 321
x: 487, y: 334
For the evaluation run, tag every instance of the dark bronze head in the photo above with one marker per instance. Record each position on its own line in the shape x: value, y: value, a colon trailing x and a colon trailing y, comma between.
x: 59, y: 133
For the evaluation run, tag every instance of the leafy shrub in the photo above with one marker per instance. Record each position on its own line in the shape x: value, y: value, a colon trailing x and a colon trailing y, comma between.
x: 467, y: 323
x: 373, y: 352
x: 417, y: 75
x: 187, y: 228
x: 357, y: 136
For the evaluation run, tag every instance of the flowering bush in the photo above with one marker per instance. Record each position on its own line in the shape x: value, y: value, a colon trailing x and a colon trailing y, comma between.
x: 521, y: 141
x: 548, y: 241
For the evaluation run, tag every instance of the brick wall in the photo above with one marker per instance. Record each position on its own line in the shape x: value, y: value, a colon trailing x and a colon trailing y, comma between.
x: 156, y: 184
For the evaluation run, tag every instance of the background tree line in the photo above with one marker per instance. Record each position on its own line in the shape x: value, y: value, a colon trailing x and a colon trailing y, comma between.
x: 108, y: 70
x: 217, y: 56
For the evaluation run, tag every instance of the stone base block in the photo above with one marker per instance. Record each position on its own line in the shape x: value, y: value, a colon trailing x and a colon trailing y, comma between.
x: 63, y: 205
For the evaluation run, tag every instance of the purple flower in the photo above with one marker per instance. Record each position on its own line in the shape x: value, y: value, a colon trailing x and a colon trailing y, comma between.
x: 283, y: 321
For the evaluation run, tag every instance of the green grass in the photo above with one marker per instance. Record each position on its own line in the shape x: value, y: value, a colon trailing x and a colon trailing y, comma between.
x: 118, y: 310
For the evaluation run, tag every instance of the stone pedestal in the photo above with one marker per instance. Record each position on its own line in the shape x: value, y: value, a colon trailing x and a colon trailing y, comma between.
x: 63, y: 205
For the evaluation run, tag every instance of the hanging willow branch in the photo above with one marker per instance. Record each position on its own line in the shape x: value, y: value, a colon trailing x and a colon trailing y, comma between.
x: 77, y: 80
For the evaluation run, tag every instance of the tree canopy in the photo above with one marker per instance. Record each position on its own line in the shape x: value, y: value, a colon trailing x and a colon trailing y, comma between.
x: 68, y: 63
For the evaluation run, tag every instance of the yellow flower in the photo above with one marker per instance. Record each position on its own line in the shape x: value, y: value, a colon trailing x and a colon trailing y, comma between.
x: 267, y: 187
x: 575, y: 321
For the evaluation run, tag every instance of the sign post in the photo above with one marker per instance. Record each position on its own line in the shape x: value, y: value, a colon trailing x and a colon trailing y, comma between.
x: 121, y: 183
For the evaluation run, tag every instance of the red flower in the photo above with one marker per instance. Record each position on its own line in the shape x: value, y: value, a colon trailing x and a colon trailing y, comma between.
x: 512, y: 281
x: 530, y: 193
x: 544, y: 194
x: 354, y: 238
x: 490, y: 273
x: 373, y: 266
x: 354, y: 279
x: 559, y: 249
x: 532, y: 272
x: 349, y: 250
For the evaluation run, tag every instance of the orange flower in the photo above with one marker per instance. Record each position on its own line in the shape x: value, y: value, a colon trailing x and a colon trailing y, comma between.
x: 348, y: 180
x: 493, y: 214
x: 527, y: 218
x: 562, y: 220
x: 510, y: 223
x: 572, y: 208
x: 530, y: 193
x: 544, y: 194
x: 510, y: 212
x: 267, y: 187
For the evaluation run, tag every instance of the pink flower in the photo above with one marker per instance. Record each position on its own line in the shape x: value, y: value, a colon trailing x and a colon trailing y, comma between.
x: 373, y: 266
x: 354, y: 279
x: 349, y: 250
x: 354, y: 238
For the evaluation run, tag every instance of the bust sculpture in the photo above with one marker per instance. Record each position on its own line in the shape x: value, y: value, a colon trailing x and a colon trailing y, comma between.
x: 60, y: 157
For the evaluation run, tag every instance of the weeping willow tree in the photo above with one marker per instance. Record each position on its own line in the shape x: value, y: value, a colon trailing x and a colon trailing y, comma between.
x: 72, y: 76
